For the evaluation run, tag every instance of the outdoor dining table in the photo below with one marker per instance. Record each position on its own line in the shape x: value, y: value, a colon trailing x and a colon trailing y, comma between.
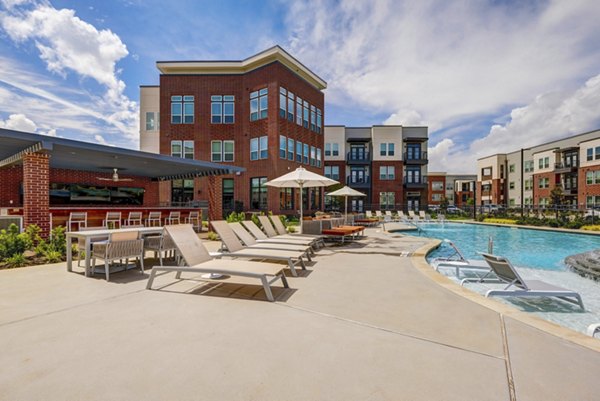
x: 88, y: 236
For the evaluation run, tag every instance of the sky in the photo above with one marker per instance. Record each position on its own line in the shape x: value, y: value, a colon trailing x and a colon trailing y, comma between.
x: 486, y: 77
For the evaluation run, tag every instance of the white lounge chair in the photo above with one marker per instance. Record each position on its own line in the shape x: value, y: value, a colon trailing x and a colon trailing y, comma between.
x: 506, y: 273
x: 251, y: 242
x: 234, y: 248
x: 458, y: 262
x: 262, y: 237
x: 274, y: 227
x: 198, y: 260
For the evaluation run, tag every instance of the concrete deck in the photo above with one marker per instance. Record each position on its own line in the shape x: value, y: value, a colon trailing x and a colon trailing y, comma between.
x: 364, y: 323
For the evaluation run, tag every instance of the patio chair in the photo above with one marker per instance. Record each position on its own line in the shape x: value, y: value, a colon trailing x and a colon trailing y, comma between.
x: 159, y: 244
x: 195, y: 219
x: 506, y: 273
x: 173, y: 218
x: 196, y: 259
x: 237, y: 250
x: 134, y: 219
x: 422, y: 214
x: 287, y: 239
x: 154, y: 219
x: 81, y: 243
x: 77, y: 219
x: 120, y: 245
x: 112, y: 220
x: 274, y: 227
x: 251, y: 242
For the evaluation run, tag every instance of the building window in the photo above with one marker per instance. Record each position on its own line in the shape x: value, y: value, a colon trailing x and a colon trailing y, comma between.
x: 306, y: 149
x: 313, y: 118
x: 436, y: 197
x: 258, y: 193
x: 528, y: 166
x: 544, y: 182
x: 511, y: 168
x: 286, y: 199
x: 529, y: 184
x: 438, y: 186
x: 182, y: 191
x: 590, y: 154
x: 259, y: 148
x: 511, y: 202
x: 282, y: 146
x: 216, y: 151
x: 332, y: 172
x: 305, y: 114
x: 298, y: 151
x: 313, y: 156
x: 319, y: 157
x: 511, y: 185
x: 290, y: 149
x: 227, y: 196
x: 387, y: 200
x: 544, y: 162
x: 298, y: 110
x: 176, y: 150
x: 319, y: 121
x: 150, y: 121
x: 222, y: 109
x: 290, y: 110
x: 182, y: 109
x: 597, y: 153
x: 259, y: 104
x: 413, y: 151
x: 597, y: 177
x: 327, y: 149
x: 387, y: 172
x: 183, y: 149
x: 335, y: 149
x: 589, y: 177
x: 282, y: 102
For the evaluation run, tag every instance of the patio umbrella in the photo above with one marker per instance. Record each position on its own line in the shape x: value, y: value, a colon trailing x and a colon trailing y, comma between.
x: 346, y: 192
x: 301, y: 178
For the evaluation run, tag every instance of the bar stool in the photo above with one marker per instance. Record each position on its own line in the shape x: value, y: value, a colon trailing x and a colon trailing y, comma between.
x: 195, y: 220
x: 112, y: 220
x: 79, y: 219
x: 134, y: 219
x: 154, y: 219
x: 174, y: 218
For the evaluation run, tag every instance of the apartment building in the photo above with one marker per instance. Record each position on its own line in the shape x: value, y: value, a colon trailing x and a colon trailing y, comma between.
x: 528, y: 176
x: 456, y: 188
x: 387, y: 163
x: 264, y: 113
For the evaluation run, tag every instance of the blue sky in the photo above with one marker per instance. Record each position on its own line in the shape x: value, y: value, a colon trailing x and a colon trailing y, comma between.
x: 485, y: 77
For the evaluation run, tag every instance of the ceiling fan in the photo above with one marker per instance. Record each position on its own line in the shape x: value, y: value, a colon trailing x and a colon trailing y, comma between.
x: 115, y: 177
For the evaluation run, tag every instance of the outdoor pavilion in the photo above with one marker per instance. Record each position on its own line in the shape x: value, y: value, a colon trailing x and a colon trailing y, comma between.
x: 29, y: 163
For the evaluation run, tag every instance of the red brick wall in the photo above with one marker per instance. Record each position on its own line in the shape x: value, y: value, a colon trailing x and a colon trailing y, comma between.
x: 496, y: 192
x: 203, y: 132
x: 10, y: 185
x: 378, y: 185
x: 583, y: 189
x: 458, y: 202
x: 543, y: 192
x: 36, y: 199
x: 430, y: 192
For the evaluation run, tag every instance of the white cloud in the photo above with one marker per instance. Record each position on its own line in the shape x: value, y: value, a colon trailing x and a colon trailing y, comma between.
x: 436, y: 62
x: 19, y: 122
x: 549, y: 117
x: 68, y: 44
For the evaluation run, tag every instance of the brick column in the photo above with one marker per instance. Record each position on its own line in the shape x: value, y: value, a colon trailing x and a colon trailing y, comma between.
x: 215, y: 198
x: 36, y: 191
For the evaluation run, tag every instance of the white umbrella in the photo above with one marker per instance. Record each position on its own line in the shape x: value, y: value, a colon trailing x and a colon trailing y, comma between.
x: 301, y: 178
x: 346, y: 192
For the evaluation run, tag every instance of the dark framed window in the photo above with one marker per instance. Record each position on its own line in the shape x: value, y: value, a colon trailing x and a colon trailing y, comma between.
x: 258, y: 193
x: 228, y: 196
x: 182, y: 191
x: 286, y: 199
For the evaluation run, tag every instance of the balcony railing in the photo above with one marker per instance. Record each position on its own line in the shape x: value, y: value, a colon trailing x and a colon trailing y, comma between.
x: 358, y: 158
x: 415, y: 182
x: 358, y: 182
x: 412, y: 158
x: 565, y: 167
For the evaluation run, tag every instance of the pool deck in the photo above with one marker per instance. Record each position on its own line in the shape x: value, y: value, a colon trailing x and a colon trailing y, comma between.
x: 367, y: 321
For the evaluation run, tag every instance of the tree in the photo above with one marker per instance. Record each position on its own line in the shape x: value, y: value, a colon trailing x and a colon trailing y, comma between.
x: 557, y: 199
x: 444, y: 204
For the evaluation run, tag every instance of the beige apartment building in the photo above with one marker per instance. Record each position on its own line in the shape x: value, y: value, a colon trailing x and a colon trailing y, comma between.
x: 527, y: 176
x: 388, y: 163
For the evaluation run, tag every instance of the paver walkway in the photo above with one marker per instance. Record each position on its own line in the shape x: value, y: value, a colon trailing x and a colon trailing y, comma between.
x: 362, y: 324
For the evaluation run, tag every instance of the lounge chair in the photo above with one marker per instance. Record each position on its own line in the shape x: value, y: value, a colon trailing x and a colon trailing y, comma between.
x: 251, y: 242
x: 369, y: 214
x: 507, y: 274
x: 262, y: 237
x: 197, y: 260
x: 458, y: 262
x: 237, y: 250
x: 422, y: 215
x: 274, y: 227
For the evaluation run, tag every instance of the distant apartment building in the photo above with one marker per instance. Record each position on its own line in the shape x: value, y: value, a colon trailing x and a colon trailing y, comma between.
x: 528, y: 176
x: 264, y: 113
x: 387, y: 163
x: 456, y: 188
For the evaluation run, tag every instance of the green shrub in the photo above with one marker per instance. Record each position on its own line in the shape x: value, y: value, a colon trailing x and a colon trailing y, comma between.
x: 235, y: 217
x: 12, y: 243
x: 53, y: 256
x: 255, y: 219
x: 499, y: 221
x: 291, y: 229
x: 16, y: 260
x: 212, y: 236
x: 204, y: 224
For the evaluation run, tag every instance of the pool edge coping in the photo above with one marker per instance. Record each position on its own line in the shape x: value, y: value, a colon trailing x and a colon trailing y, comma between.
x: 420, y: 263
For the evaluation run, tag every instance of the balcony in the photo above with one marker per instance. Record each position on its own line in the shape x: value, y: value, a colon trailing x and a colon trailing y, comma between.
x: 411, y: 182
x: 561, y: 168
x: 415, y: 159
x: 568, y: 190
x: 358, y: 158
x: 358, y: 182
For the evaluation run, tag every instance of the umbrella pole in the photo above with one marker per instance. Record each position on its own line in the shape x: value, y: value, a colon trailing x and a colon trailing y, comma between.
x: 346, y: 209
x: 301, y: 204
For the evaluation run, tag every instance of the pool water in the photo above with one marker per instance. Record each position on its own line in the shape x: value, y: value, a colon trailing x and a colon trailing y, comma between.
x: 538, y: 255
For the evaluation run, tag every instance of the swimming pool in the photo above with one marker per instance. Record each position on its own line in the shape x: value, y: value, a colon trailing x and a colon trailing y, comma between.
x: 538, y: 255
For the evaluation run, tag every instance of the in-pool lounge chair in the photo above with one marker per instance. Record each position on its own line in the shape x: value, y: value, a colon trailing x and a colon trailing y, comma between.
x: 284, y: 239
x: 517, y: 287
x: 198, y: 260
x: 250, y: 241
x: 236, y: 249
